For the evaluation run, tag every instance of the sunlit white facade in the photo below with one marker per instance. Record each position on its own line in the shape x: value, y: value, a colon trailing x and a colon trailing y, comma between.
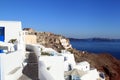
x: 11, y: 50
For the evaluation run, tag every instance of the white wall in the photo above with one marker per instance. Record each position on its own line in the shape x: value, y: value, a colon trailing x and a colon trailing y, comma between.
x: 91, y: 75
x: 65, y: 43
x: 70, y: 61
x: 84, y: 66
x: 43, y: 72
x: 12, y: 29
x: 56, y: 65
x: 9, y: 62
x: 2, y: 76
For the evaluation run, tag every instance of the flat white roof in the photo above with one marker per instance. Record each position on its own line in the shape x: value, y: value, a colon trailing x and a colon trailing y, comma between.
x: 9, y: 21
x: 83, y: 63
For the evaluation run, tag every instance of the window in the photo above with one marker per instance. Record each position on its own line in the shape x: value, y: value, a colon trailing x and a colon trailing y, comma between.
x: 2, y: 36
x: 2, y: 32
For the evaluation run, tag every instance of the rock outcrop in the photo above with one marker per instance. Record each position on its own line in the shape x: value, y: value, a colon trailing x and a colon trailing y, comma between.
x: 51, y: 40
x: 103, y: 62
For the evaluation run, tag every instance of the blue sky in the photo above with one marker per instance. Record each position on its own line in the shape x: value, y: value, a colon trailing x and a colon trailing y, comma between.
x: 71, y: 18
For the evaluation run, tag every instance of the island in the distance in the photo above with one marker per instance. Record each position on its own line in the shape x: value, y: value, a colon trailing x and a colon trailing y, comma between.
x: 96, y: 39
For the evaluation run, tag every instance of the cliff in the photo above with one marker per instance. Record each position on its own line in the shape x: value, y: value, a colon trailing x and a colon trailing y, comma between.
x: 103, y: 62
x: 51, y: 40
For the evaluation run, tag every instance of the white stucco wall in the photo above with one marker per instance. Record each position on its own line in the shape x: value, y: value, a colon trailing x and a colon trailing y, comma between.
x: 91, y: 75
x: 70, y: 60
x: 65, y: 43
x: 2, y: 76
x: 84, y: 66
x: 49, y: 50
x: 56, y: 65
x: 12, y: 29
x: 9, y: 63
x: 43, y: 72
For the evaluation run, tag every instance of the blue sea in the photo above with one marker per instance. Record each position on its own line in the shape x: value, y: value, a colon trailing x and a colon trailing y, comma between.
x: 97, y: 47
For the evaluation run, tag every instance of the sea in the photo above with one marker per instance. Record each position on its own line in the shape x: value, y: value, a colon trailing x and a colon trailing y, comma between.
x: 98, y: 47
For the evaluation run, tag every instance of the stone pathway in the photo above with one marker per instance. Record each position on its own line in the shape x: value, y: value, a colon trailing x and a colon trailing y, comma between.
x: 30, y: 71
x: 24, y: 77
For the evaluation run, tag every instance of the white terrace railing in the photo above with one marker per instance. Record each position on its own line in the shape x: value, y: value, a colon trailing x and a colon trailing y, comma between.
x: 11, y: 65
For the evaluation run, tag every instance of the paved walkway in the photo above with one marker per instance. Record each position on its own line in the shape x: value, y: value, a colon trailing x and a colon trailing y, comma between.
x: 30, y: 71
x: 24, y: 77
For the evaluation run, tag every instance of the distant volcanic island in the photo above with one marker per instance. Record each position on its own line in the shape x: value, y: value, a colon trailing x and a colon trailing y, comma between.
x: 96, y: 39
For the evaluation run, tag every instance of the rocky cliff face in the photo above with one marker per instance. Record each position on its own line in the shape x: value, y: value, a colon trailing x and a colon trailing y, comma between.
x: 103, y: 62
x: 51, y: 40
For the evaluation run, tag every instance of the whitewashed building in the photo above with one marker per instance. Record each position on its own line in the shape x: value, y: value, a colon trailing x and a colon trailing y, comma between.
x: 82, y: 71
x: 11, y: 50
x: 10, y: 30
x: 65, y: 43
x: 54, y: 66
x: 84, y: 66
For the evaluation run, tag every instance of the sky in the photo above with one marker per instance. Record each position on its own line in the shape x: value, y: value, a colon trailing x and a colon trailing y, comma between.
x: 70, y: 18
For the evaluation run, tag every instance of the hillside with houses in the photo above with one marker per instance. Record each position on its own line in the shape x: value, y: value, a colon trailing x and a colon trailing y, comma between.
x: 26, y: 54
x: 103, y: 62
